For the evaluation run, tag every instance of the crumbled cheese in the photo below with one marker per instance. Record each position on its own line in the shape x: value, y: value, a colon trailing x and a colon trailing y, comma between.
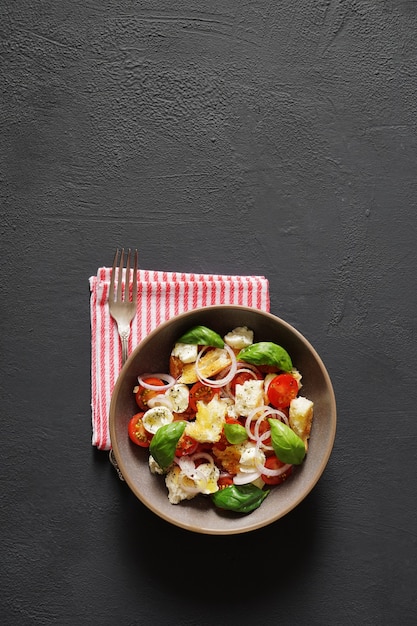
x: 249, y: 396
x: 250, y: 457
x: 205, y: 482
x: 209, y: 420
x: 179, y: 396
x: 174, y: 482
x: 185, y: 352
x: 239, y: 338
x: 207, y: 477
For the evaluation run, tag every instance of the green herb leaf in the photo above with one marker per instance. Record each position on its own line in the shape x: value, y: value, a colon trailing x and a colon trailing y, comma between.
x: 164, y: 443
x: 288, y: 446
x: 203, y: 336
x: 242, y: 499
x: 235, y: 433
x: 266, y: 353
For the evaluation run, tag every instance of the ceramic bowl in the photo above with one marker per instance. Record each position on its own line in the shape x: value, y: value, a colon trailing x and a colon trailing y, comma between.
x: 199, y: 514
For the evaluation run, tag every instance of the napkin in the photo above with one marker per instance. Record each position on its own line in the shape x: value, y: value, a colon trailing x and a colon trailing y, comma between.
x: 161, y: 295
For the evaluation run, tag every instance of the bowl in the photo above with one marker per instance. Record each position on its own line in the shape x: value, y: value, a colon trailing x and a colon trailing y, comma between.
x: 199, y: 514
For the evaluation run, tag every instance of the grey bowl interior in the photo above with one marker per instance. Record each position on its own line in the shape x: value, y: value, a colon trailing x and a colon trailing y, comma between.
x: 199, y: 514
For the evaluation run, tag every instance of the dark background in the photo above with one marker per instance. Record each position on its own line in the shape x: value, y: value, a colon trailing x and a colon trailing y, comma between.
x: 260, y: 137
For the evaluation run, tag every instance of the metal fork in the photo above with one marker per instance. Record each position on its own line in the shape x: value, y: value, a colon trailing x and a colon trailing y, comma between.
x: 121, y: 308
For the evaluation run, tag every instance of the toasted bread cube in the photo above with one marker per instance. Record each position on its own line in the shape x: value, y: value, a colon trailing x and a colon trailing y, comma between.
x: 210, y: 364
x: 300, y: 417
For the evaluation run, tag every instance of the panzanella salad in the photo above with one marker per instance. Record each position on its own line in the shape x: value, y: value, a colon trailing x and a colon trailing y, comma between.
x: 226, y: 420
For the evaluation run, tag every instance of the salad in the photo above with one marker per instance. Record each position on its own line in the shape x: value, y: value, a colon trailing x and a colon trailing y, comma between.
x: 226, y: 420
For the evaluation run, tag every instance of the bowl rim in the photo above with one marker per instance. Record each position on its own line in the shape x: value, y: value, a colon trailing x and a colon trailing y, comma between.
x: 249, y: 526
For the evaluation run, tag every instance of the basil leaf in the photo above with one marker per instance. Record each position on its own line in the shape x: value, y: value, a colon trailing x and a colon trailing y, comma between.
x: 203, y: 336
x: 288, y: 446
x: 266, y: 353
x: 235, y: 433
x: 164, y: 443
x: 242, y: 499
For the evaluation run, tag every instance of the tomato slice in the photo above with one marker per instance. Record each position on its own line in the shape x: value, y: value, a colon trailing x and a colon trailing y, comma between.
x: 186, y: 445
x: 137, y: 432
x: 282, y: 389
x: 143, y: 395
x: 272, y: 462
x: 200, y: 391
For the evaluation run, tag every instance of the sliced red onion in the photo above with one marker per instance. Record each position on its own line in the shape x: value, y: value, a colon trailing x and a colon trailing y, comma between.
x: 243, y: 478
x: 264, y: 412
x: 189, y: 470
x: 251, y: 417
x: 219, y: 382
x: 267, y: 381
x: 160, y: 400
x: 189, y: 488
x: 273, y: 472
x: 266, y: 470
x: 249, y: 366
x: 186, y: 464
x: 202, y: 455
x: 169, y: 381
x: 262, y: 438
x: 257, y: 411
x: 276, y: 412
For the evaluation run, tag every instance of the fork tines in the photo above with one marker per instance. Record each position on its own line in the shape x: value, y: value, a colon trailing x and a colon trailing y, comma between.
x: 119, y: 267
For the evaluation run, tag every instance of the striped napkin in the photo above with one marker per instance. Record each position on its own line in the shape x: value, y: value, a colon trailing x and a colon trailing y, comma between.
x: 161, y: 295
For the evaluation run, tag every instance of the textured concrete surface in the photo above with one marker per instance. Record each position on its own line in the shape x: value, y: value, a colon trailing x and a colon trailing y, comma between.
x: 264, y: 137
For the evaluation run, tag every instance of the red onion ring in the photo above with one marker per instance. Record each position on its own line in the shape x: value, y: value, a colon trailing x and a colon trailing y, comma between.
x: 266, y: 470
x: 202, y: 455
x: 264, y: 411
x: 251, y: 367
x: 160, y: 400
x: 273, y: 472
x: 193, y: 490
x: 189, y: 470
x: 243, y: 478
x: 265, y: 435
x: 169, y: 380
x: 220, y: 382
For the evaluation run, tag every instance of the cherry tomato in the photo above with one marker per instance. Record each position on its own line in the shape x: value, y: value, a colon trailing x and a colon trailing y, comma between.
x: 137, y: 432
x: 282, y: 389
x: 200, y: 391
x: 143, y: 395
x: 241, y: 378
x: 272, y: 462
x: 231, y: 420
x: 224, y: 481
x: 186, y: 445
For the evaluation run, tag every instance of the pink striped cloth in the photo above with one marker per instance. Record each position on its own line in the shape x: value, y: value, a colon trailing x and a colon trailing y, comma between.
x: 161, y: 295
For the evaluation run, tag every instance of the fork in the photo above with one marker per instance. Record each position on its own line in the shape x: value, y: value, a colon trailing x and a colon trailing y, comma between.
x: 121, y: 308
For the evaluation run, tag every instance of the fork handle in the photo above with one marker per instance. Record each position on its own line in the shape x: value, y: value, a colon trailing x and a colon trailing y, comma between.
x: 124, y: 332
x: 124, y: 350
